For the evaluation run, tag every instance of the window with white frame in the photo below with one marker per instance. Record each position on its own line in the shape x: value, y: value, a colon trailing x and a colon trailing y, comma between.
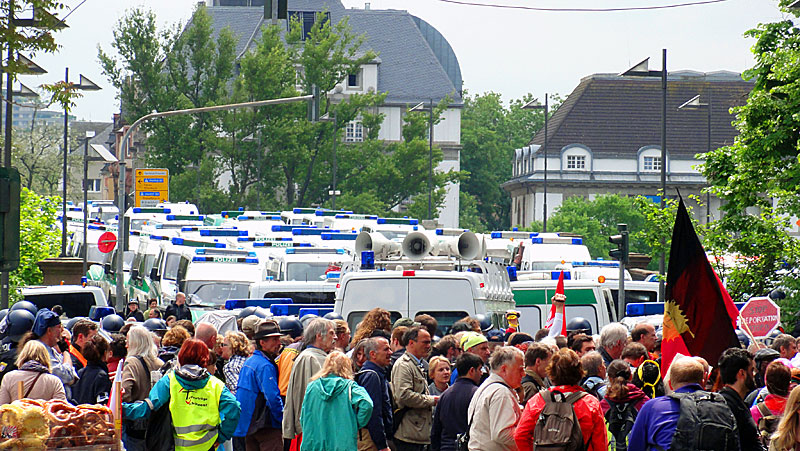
x: 93, y: 185
x: 354, y: 80
x: 652, y: 163
x: 576, y: 161
x: 354, y: 132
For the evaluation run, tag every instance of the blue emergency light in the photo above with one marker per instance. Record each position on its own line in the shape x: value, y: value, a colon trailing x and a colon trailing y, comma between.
x: 232, y: 304
x: 314, y: 311
x: 339, y: 236
x: 287, y: 309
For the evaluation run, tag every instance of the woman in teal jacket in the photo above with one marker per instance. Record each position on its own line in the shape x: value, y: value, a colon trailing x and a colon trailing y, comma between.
x: 335, y: 407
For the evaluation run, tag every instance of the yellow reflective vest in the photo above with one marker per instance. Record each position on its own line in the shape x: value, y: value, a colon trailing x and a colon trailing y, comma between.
x: 195, y: 414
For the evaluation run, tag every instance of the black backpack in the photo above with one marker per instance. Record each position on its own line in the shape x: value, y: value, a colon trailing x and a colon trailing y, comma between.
x: 620, y: 418
x: 594, y: 390
x: 705, y: 423
x: 767, y: 424
x: 557, y: 428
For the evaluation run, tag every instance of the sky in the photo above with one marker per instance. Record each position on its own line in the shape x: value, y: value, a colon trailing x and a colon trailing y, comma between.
x: 508, y: 51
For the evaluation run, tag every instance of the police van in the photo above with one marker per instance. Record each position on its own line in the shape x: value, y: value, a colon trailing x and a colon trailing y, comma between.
x: 210, y: 276
x: 586, y: 298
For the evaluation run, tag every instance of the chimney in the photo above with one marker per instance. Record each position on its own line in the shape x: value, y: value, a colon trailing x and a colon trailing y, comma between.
x: 366, y: 6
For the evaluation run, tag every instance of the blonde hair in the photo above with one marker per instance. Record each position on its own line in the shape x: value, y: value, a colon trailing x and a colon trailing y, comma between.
x: 36, y: 351
x: 784, y: 436
x: 239, y: 343
x: 434, y: 363
x: 336, y: 363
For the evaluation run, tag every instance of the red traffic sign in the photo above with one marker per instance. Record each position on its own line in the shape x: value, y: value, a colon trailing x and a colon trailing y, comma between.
x: 106, y: 242
x: 761, y: 315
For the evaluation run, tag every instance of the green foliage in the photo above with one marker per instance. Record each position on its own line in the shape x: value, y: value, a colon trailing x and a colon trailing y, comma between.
x: 29, y: 40
x: 39, y: 237
x: 490, y: 131
x: 469, y: 217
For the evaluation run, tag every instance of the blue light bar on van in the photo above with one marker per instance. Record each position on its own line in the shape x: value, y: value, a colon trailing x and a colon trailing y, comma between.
x: 537, y: 240
x: 159, y: 237
x: 232, y: 304
x: 304, y: 211
x: 258, y: 218
x: 333, y: 275
x: 280, y: 244
x: 339, y: 236
x: 595, y: 263
x: 287, y: 309
x: 332, y: 212
x: 351, y: 216
x: 223, y: 232
x: 644, y: 308
x: 224, y: 259
x: 185, y: 242
x: 555, y: 274
x: 289, y: 228
x: 450, y: 231
x: 398, y: 221
x: 185, y: 217
x: 577, y: 241
x: 314, y: 311
x: 151, y: 210
x: 312, y: 232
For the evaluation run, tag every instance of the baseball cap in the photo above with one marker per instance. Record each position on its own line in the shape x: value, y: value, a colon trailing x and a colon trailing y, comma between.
x: 45, y: 319
x: 249, y: 324
x: 267, y: 328
x: 496, y: 336
x: 407, y: 322
x: 471, y: 340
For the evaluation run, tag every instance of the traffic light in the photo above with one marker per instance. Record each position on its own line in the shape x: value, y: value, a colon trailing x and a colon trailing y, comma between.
x: 621, y: 240
x: 9, y: 219
x: 283, y: 9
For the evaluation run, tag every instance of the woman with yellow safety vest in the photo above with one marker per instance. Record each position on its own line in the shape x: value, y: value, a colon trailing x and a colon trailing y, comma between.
x: 204, y: 412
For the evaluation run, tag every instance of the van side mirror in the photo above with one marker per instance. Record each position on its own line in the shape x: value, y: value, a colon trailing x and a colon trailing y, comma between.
x: 135, y: 273
x: 153, y: 273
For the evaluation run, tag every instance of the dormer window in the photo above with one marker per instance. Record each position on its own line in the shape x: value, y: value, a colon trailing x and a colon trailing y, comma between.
x: 576, y: 161
x: 354, y: 80
x: 652, y: 164
x: 306, y: 19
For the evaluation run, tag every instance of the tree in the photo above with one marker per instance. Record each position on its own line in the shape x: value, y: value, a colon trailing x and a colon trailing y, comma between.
x: 39, y: 237
x: 490, y: 132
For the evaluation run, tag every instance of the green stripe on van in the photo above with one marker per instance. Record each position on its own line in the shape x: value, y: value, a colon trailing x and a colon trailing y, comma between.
x: 523, y: 296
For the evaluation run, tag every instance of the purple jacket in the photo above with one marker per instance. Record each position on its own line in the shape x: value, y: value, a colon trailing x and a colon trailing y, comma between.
x: 657, y: 420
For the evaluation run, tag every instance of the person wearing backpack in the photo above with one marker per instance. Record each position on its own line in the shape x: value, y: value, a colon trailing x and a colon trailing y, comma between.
x: 621, y: 404
x: 687, y: 419
x: 737, y: 372
x: 563, y: 417
x: 768, y: 414
x: 137, y: 381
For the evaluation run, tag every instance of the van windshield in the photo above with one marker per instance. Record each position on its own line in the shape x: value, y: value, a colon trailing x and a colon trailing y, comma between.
x: 170, y: 270
x: 74, y: 304
x: 304, y: 271
x: 213, y: 294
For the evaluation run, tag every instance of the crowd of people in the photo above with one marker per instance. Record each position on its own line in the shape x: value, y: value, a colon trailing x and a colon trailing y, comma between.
x: 314, y: 384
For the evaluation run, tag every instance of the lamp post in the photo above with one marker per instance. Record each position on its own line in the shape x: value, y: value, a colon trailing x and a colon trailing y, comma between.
x: 333, y: 192
x: 84, y: 254
x: 642, y: 70
x: 535, y: 105
x: 695, y: 104
x: 84, y: 84
x: 421, y: 107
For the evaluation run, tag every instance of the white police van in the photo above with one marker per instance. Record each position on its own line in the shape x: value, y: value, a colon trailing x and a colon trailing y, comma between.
x: 210, y: 276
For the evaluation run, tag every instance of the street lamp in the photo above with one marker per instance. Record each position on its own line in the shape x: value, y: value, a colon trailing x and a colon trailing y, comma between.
x: 84, y: 84
x: 421, y: 107
x: 695, y: 104
x: 642, y: 70
x: 84, y: 254
x: 535, y: 105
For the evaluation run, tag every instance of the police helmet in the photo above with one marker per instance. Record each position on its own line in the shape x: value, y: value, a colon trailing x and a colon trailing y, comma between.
x: 307, y: 319
x: 485, y: 321
x: 771, y: 337
x: 20, y: 321
x: 245, y: 312
x: 579, y: 324
x: 291, y: 325
x: 3, y: 314
x: 743, y: 339
x: 261, y: 312
x: 155, y: 324
x: 112, y: 323
x: 332, y: 316
x: 25, y: 305
x: 72, y: 322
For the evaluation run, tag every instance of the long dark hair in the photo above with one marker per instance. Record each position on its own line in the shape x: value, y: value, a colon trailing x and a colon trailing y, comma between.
x: 619, y: 374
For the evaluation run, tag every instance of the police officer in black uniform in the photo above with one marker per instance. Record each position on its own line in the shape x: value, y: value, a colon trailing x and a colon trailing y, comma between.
x: 19, y: 323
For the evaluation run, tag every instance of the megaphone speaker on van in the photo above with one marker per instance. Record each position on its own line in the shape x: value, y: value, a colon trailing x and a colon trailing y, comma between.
x: 419, y: 245
x: 465, y: 246
x: 377, y: 243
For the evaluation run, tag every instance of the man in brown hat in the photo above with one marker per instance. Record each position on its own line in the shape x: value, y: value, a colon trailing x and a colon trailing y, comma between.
x: 259, y: 425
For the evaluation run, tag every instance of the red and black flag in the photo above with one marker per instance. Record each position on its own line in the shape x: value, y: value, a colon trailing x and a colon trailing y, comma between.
x: 699, y: 315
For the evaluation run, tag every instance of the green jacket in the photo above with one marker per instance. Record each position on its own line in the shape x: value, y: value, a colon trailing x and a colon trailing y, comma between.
x: 333, y: 411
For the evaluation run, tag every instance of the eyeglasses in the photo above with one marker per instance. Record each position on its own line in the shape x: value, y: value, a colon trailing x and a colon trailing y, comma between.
x: 224, y: 345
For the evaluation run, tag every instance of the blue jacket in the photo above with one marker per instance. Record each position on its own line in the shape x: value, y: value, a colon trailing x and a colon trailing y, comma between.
x: 450, y: 416
x: 657, y: 420
x: 373, y: 379
x: 191, y: 377
x: 259, y: 376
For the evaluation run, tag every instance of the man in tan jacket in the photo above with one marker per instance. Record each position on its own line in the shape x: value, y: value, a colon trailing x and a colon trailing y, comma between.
x: 494, y: 410
x: 410, y: 389
x: 318, y: 337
